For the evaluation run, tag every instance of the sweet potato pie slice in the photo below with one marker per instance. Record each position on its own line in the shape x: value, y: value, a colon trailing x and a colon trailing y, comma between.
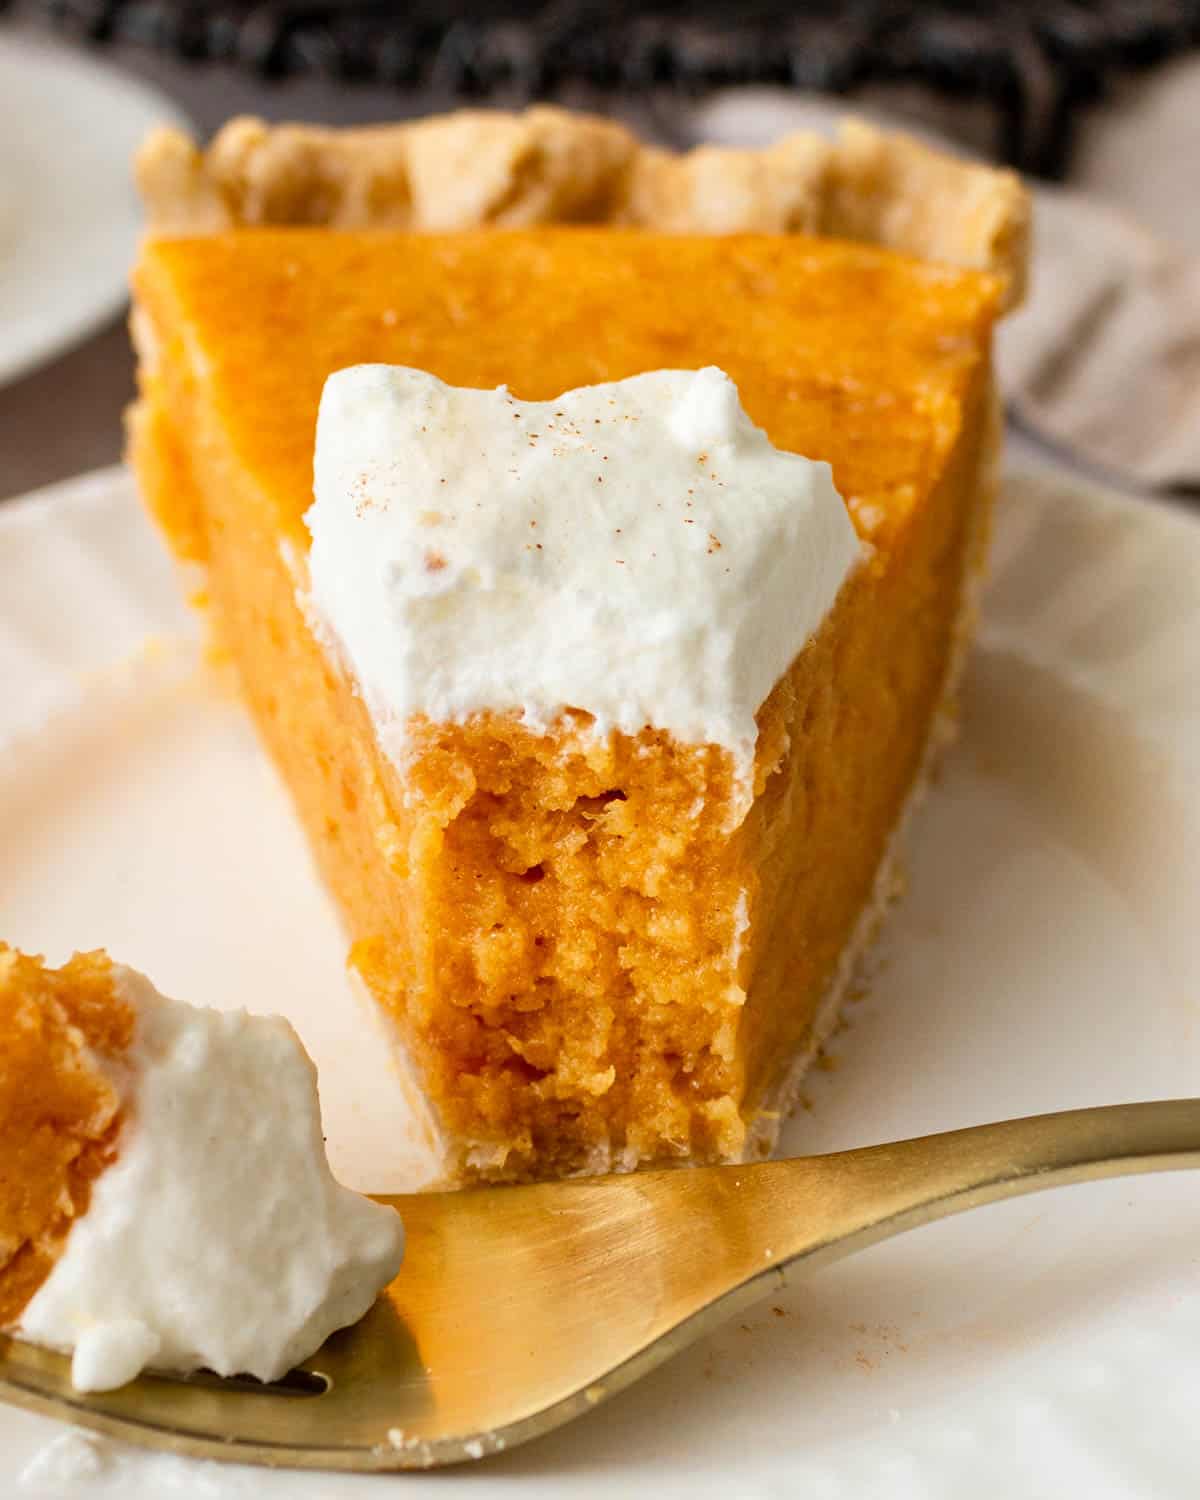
x: 594, y: 951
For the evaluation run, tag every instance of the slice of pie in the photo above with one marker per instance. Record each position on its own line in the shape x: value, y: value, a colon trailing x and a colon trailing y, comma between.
x: 602, y: 941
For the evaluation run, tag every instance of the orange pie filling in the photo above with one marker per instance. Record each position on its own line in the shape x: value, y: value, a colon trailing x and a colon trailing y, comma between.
x: 596, y: 951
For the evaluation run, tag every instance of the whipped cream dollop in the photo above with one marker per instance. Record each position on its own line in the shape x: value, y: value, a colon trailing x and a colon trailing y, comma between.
x: 638, y: 549
x: 218, y: 1237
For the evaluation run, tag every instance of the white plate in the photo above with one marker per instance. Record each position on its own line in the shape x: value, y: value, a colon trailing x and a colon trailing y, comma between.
x: 69, y: 217
x: 1046, y: 955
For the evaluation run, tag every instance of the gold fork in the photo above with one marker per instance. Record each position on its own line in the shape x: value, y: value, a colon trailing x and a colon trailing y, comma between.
x: 520, y: 1308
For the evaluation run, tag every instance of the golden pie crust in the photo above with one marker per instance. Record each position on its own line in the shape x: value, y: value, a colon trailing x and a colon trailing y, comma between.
x: 474, y: 168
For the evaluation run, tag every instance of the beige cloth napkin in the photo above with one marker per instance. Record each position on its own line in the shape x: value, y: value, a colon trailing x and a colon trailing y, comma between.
x: 1104, y: 359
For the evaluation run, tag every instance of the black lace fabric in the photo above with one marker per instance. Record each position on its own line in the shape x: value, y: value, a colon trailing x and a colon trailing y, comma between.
x: 1030, y: 65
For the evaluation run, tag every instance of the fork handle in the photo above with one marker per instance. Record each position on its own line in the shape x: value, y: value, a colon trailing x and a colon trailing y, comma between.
x: 822, y: 1208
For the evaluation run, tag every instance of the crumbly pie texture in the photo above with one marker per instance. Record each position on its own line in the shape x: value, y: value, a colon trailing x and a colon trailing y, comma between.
x: 475, y: 169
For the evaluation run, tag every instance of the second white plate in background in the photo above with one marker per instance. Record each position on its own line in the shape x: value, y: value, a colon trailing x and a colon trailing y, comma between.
x: 69, y: 217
